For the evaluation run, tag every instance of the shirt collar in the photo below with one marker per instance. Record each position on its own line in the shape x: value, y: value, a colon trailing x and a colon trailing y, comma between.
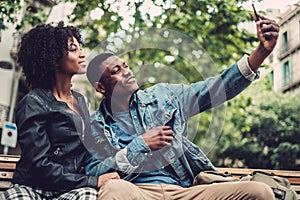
x: 139, y: 97
x: 144, y: 97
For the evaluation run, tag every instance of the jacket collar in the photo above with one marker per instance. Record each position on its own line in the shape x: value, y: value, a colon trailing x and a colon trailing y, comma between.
x: 139, y: 97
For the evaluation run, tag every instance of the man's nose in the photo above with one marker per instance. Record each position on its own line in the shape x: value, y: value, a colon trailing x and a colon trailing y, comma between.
x: 127, y: 71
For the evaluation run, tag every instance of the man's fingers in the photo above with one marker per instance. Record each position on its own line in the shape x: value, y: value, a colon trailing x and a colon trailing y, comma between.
x: 115, y: 175
x: 169, y: 139
x: 168, y: 132
x: 265, y: 27
x: 271, y: 35
x: 166, y: 127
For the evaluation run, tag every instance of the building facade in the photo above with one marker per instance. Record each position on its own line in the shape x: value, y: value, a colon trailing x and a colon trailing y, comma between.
x: 284, y: 61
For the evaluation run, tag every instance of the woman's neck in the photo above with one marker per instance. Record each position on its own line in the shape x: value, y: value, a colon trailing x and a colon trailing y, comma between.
x: 62, y: 89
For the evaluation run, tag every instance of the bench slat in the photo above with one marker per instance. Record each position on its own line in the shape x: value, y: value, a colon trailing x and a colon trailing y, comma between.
x: 7, y: 166
x: 6, y: 175
x: 9, y: 158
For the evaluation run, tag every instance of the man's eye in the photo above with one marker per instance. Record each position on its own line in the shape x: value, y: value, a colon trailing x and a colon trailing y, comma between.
x: 115, y: 71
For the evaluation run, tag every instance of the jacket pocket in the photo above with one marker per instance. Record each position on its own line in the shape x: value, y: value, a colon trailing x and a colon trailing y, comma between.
x: 165, y: 113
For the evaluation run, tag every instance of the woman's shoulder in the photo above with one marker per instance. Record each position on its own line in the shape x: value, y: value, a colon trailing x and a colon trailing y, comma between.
x: 37, y: 96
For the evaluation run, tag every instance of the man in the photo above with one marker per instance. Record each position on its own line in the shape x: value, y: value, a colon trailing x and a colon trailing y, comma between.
x: 142, y: 134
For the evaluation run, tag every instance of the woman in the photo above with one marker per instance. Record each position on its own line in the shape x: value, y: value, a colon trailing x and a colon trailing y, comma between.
x: 53, y: 120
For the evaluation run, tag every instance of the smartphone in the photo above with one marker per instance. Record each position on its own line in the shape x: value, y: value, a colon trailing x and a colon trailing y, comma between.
x: 255, y: 13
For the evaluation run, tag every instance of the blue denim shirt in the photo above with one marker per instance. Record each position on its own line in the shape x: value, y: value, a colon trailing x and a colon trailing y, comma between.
x: 162, y: 104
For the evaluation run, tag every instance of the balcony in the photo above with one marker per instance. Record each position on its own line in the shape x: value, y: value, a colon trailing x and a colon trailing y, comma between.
x: 49, y: 3
x: 291, y: 86
x: 288, y: 49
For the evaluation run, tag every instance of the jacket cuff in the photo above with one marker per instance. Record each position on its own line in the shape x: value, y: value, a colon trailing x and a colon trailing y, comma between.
x: 137, y: 150
x: 122, y: 162
x: 92, y: 181
x: 246, y: 70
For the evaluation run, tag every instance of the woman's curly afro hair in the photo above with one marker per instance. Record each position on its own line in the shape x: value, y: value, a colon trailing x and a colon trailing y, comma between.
x: 41, y: 49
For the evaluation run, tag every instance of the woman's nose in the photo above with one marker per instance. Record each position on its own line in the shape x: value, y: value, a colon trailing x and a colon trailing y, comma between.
x: 82, y: 55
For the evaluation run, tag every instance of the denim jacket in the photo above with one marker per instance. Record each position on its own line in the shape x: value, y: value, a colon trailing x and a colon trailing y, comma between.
x: 163, y: 104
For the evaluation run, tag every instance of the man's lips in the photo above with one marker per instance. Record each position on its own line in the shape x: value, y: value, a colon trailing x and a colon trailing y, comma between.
x: 130, y: 79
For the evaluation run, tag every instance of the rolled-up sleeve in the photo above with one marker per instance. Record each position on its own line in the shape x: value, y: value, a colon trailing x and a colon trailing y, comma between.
x: 246, y: 70
x: 129, y: 158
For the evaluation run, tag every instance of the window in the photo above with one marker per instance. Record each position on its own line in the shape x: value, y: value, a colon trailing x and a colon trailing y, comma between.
x: 271, y: 58
x: 272, y: 78
x: 285, y: 41
x: 286, y: 73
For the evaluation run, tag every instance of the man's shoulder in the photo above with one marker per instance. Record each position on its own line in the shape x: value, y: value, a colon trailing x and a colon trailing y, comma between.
x: 160, y: 92
x: 160, y: 87
x: 97, y: 115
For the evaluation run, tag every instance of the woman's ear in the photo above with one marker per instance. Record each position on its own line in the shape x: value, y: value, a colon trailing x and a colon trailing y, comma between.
x: 99, y: 87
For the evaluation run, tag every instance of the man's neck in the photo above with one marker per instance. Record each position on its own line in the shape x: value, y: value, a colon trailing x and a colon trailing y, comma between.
x: 119, y: 104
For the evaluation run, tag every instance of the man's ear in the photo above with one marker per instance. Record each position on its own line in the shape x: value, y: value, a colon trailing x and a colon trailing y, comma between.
x: 99, y: 87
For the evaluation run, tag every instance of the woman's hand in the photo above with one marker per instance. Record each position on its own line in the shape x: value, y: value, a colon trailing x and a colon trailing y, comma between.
x: 106, y: 177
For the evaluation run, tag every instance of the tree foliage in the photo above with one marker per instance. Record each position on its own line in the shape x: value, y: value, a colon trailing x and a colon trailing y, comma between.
x: 203, y: 36
x: 12, y: 9
x: 211, y: 24
x: 264, y: 130
x: 8, y: 10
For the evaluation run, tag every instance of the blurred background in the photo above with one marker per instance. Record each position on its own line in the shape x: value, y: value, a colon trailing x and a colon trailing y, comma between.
x: 258, y: 129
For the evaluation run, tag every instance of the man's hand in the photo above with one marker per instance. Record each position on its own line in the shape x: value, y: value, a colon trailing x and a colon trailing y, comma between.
x: 268, y: 32
x: 106, y: 177
x: 158, y: 137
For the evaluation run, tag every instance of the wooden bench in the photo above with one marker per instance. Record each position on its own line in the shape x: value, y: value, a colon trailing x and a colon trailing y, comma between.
x: 7, y: 168
x: 8, y: 164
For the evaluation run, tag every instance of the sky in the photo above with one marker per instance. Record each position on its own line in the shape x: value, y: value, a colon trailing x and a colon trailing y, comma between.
x: 264, y: 4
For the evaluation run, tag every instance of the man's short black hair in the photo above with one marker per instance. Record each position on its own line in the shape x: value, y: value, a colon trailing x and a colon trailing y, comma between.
x: 94, y: 70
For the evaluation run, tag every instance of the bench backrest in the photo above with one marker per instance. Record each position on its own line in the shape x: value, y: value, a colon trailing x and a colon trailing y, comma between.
x: 7, y: 168
x: 8, y: 165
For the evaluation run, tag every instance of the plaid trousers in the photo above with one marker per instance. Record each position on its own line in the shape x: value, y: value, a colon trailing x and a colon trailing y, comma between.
x: 22, y: 192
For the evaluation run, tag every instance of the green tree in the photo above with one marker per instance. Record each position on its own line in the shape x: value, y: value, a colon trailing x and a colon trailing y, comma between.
x: 8, y: 11
x: 209, y: 27
x: 264, y: 130
x: 34, y: 13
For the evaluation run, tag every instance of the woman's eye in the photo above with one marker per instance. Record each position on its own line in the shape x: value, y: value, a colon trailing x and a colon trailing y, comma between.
x: 73, y: 49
